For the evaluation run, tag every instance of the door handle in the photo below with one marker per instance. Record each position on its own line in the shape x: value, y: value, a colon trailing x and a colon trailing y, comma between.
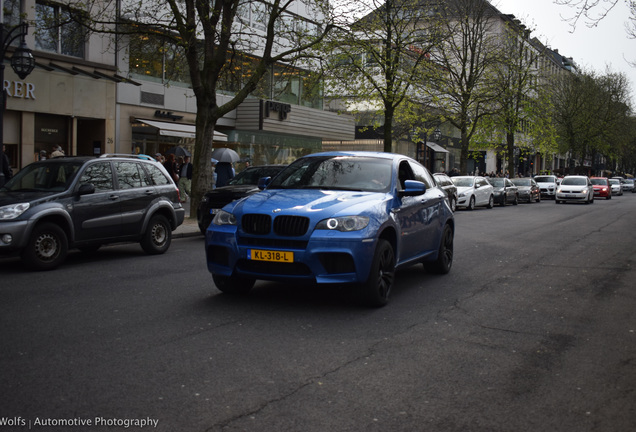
x: 113, y: 197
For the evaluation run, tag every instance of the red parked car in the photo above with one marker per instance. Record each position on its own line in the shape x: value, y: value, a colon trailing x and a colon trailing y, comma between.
x: 602, y: 188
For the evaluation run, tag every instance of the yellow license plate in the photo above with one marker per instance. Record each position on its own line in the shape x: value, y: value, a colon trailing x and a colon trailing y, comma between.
x: 272, y: 256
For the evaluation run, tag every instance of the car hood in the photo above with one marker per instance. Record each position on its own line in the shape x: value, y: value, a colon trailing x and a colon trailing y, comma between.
x: 316, y: 204
x: 524, y: 188
x: 8, y: 197
x: 233, y: 190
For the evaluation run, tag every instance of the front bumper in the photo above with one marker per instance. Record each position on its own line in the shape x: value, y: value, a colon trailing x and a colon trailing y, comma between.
x: 13, y: 236
x: 327, y: 257
x: 571, y: 196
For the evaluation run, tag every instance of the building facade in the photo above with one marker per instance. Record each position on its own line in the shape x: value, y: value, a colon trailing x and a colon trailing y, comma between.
x: 90, y: 96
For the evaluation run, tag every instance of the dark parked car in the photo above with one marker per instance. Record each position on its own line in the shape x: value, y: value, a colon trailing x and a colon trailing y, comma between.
x: 334, y: 218
x: 243, y: 184
x: 84, y: 202
x: 449, y: 187
x: 504, y: 190
x: 528, y: 189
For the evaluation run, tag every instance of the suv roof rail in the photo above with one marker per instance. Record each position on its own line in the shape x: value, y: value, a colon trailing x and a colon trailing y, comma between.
x: 128, y: 155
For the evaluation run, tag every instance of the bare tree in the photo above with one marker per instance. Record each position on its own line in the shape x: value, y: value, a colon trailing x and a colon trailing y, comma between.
x: 589, y: 111
x: 464, y: 86
x: 212, y: 36
x: 374, y: 62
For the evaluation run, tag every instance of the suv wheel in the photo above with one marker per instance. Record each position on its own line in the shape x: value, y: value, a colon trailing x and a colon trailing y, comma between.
x: 47, y: 248
x: 158, y: 235
x: 377, y: 288
x: 444, y: 260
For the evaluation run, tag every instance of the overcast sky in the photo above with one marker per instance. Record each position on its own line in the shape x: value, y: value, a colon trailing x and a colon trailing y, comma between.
x: 592, y: 48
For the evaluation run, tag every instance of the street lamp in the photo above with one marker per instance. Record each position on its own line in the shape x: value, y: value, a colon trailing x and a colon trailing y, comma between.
x: 22, y: 63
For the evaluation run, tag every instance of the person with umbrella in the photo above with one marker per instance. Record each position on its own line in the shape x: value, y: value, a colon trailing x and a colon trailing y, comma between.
x: 224, y: 171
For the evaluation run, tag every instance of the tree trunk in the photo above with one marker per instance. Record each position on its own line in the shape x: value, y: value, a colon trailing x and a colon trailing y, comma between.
x: 510, y: 145
x: 388, y: 129
x: 465, y: 143
x: 203, y: 180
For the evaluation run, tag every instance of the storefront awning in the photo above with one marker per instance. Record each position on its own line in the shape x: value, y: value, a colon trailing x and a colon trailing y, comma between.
x: 178, y: 129
x: 436, y: 148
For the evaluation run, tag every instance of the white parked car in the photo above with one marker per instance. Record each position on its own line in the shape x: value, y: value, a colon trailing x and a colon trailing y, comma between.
x: 548, y: 185
x: 629, y: 186
x: 473, y: 191
x: 617, y: 186
x: 575, y: 188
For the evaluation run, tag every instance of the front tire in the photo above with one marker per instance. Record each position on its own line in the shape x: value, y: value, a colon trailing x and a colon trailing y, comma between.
x: 158, y: 236
x: 444, y: 261
x: 376, y: 290
x: 471, y: 203
x: 491, y: 202
x: 453, y: 204
x: 47, y: 248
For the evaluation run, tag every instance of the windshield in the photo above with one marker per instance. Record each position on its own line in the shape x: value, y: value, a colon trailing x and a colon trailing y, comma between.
x: 336, y: 173
x: 496, y: 182
x: 44, y: 177
x: 615, y: 182
x: 250, y: 176
x: 463, y: 181
x: 545, y: 179
x: 574, y: 181
x: 598, y: 181
x: 521, y: 181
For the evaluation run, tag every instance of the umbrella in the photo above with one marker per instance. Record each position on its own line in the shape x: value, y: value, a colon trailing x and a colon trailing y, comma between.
x: 178, y: 151
x: 225, y: 155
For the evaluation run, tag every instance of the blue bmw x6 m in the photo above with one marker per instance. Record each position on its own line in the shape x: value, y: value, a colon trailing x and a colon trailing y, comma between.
x: 337, y: 217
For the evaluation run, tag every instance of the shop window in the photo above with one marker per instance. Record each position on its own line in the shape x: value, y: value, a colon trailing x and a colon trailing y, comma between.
x: 57, y: 32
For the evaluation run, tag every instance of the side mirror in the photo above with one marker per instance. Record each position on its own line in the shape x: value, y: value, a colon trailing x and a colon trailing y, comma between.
x: 263, y: 182
x: 86, y: 189
x: 413, y: 188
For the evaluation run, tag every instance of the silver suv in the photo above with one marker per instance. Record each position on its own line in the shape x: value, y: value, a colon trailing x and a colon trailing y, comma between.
x: 548, y: 185
x: 84, y: 202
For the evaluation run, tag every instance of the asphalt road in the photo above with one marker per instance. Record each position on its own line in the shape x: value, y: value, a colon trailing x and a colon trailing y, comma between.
x: 533, y: 330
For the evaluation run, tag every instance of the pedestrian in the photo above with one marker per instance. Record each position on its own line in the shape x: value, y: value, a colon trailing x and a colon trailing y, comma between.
x: 185, y: 179
x: 42, y: 155
x: 171, y: 166
x: 224, y: 173
x: 159, y: 158
x: 57, y: 152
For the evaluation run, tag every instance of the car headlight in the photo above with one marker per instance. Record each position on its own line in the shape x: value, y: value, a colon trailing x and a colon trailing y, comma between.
x: 345, y: 223
x: 13, y: 211
x: 224, y: 218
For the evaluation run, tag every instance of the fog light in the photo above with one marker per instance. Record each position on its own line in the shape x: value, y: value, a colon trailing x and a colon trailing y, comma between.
x: 7, y: 238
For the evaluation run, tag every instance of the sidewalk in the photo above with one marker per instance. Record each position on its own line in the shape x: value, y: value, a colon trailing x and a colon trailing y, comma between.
x: 189, y: 227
